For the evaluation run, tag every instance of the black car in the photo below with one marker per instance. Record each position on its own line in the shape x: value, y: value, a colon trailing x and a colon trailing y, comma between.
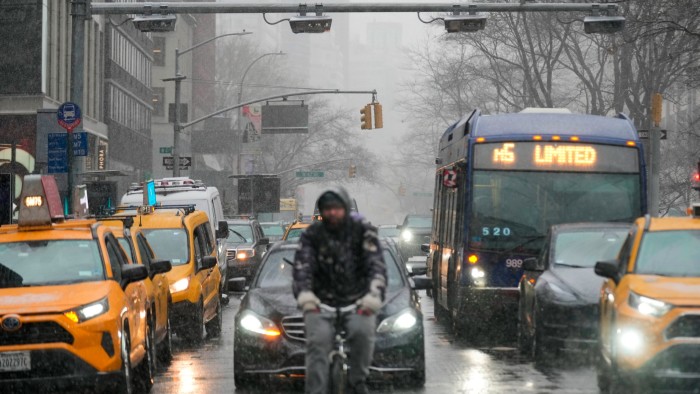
x: 245, y: 247
x: 415, y: 231
x: 559, y: 291
x: 269, y: 328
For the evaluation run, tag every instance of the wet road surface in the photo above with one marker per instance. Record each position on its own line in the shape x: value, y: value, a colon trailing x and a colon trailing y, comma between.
x: 452, y: 366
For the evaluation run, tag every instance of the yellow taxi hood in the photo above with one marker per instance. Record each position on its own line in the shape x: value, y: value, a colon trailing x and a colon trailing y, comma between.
x: 52, y: 299
x: 678, y: 291
x: 178, y: 272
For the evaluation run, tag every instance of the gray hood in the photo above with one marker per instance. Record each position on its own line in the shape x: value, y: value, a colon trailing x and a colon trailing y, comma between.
x: 342, y: 194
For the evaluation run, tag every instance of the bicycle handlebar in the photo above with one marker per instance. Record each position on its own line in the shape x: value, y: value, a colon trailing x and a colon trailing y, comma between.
x: 344, y: 309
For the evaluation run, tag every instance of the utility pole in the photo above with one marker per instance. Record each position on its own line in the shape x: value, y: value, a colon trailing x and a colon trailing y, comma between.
x: 655, y: 154
x: 79, y: 12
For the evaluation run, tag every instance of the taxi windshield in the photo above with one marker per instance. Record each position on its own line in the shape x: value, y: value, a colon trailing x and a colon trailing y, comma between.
x: 169, y: 244
x: 669, y: 253
x: 295, y: 234
x: 52, y: 262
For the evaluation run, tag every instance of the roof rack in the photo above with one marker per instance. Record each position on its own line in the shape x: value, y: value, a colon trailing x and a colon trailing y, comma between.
x: 185, y: 208
x: 128, y: 220
x: 171, y: 183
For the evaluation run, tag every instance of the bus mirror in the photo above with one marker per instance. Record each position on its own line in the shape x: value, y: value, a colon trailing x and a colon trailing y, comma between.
x: 531, y: 264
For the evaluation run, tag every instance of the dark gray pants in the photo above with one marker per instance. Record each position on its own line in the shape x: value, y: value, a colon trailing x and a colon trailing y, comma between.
x: 320, y: 335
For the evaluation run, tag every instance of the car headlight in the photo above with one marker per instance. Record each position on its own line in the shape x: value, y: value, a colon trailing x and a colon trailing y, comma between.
x: 180, y: 285
x: 254, y: 323
x: 559, y: 293
x: 407, y: 236
x: 477, y: 273
x: 87, y: 312
x: 402, y: 321
x: 245, y: 254
x: 630, y: 341
x: 648, y: 306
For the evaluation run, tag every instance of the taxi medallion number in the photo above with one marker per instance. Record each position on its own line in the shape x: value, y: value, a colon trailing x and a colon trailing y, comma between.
x: 15, y: 361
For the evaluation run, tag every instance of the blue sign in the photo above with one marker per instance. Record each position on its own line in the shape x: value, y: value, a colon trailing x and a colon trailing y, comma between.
x: 69, y: 116
x: 151, y: 190
x: 58, y: 154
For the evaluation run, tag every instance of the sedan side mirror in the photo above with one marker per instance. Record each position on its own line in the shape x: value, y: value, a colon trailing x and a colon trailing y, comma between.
x: 208, y: 262
x: 133, y: 273
x: 160, y: 267
x: 222, y: 231
x: 531, y: 264
x: 264, y: 241
x: 237, y: 285
x: 418, y: 270
x: 425, y: 248
x: 608, y: 269
x: 422, y: 283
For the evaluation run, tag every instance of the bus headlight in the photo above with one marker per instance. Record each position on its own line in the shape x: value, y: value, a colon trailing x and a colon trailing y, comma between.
x: 648, y: 306
x: 478, y: 273
x: 407, y: 236
x: 402, y: 321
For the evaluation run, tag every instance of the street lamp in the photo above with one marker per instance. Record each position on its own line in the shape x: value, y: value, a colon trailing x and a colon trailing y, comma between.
x: 240, y: 85
x: 178, y: 80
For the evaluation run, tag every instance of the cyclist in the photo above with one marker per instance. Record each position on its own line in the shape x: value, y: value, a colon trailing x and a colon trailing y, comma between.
x: 339, y: 263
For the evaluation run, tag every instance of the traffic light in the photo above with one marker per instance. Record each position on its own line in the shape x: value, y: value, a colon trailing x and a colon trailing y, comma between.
x: 366, y: 117
x: 352, y: 171
x: 378, y: 117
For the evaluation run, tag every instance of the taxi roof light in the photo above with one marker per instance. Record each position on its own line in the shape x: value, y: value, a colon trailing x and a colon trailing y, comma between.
x: 40, y: 202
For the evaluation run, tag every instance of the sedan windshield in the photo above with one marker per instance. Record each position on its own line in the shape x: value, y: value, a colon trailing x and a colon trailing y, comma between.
x: 669, y: 253
x: 389, y: 232
x: 273, y: 231
x: 586, y: 248
x: 240, y: 233
x: 419, y: 222
x: 278, y: 273
x: 44, y: 263
x: 169, y: 244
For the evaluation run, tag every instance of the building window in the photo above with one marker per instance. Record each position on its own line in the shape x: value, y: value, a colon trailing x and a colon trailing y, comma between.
x: 159, y: 51
x: 158, y: 101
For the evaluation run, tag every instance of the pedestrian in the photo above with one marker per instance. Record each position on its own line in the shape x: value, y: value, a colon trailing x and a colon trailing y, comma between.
x: 339, y: 262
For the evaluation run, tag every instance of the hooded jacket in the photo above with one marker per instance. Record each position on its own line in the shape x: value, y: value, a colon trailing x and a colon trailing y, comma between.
x: 338, y: 265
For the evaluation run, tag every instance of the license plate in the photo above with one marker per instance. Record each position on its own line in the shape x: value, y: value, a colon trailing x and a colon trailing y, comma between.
x: 15, y: 361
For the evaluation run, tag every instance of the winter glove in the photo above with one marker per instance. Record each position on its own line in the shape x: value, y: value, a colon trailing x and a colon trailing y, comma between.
x: 308, y: 301
x: 372, y: 301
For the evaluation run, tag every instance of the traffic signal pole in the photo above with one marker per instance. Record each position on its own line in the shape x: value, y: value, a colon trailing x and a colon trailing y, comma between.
x: 79, y: 12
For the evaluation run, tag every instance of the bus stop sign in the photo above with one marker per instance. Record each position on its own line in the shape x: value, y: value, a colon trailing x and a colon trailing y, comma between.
x: 69, y: 116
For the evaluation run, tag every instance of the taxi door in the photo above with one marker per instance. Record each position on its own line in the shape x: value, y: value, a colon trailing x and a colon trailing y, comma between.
x: 135, y: 293
x: 209, y: 280
x: 160, y: 284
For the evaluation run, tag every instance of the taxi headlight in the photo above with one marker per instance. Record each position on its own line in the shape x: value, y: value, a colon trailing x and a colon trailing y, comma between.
x: 649, y: 306
x: 407, y: 236
x: 402, y: 321
x: 180, y: 285
x: 87, y: 312
x: 630, y: 341
x: 254, y: 323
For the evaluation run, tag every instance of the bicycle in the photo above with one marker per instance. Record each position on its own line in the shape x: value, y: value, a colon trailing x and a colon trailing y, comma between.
x: 338, y: 369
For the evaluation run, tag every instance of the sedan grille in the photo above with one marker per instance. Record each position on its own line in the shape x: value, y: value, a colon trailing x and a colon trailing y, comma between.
x: 294, y: 327
x: 230, y: 254
x: 687, y: 326
x: 36, y: 333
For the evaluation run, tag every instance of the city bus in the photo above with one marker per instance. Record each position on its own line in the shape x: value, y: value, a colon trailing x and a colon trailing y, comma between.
x: 502, y: 181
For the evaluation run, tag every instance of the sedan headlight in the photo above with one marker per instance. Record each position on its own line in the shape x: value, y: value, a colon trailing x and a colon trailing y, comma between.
x: 89, y: 311
x: 407, y: 236
x: 254, y: 323
x: 559, y: 293
x: 649, y: 306
x: 180, y: 285
x: 402, y: 321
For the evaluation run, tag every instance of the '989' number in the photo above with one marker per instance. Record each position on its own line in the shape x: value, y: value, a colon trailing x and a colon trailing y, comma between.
x: 495, y: 231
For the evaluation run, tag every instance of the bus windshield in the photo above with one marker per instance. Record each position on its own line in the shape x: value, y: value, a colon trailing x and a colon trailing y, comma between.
x: 512, y: 210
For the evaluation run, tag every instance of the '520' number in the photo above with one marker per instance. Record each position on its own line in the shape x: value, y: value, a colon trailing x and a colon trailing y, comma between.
x: 495, y: 231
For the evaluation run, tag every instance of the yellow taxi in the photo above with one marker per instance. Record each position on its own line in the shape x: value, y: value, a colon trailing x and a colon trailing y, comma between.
x: 72, y: 308
x: 139, y: 251
x: 183, y: 236
x: 294, y: 231
x: 650, y: 307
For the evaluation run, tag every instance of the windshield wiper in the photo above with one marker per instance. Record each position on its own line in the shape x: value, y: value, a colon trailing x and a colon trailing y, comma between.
x: 571, y: 265
x: 527, y: 241
x: 239, y: 235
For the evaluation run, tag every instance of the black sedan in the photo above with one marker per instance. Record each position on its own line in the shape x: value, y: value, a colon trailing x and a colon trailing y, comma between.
x: 269, y: 329
x: 559, y: 291
x: 245, y: 247
x: 415, y: 231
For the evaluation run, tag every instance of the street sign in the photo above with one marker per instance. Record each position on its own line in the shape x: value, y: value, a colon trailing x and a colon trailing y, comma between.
x: 285, y: 119
x: 644, y: 134
x: 165, y: 150
x: 185, y: 161
x: 69, y: 116
x: 310, y: 174
x: 58, y: 154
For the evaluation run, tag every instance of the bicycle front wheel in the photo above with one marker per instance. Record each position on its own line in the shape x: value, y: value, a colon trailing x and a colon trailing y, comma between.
x: 338, y: 377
